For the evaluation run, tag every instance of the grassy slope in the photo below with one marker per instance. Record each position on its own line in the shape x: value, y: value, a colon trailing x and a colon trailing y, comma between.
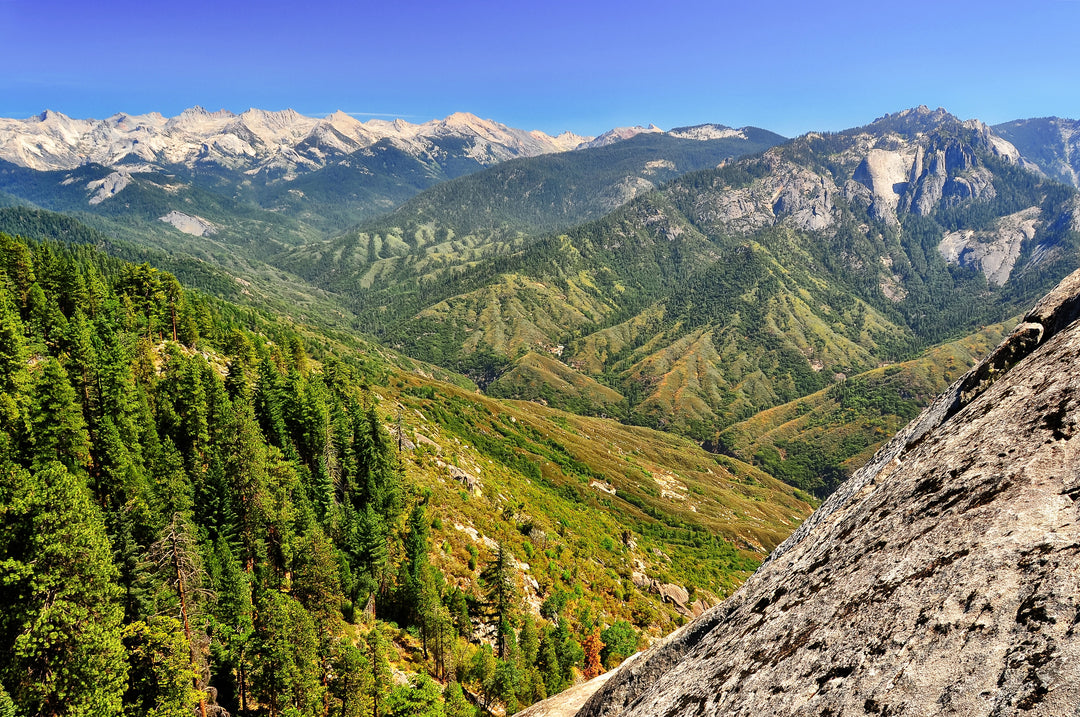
x: 822, y: 438
x: 678, y: 513
x: 540, y: 378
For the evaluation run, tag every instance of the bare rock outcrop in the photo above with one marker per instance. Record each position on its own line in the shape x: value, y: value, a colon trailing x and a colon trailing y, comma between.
x: 466, y: 479
x: 942, y: 578
x: 189, y: 224
x: 885, y: 173
x: 787, y: 194
x: 993, y: 252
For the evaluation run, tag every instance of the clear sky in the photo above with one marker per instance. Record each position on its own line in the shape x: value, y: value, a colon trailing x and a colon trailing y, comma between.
x: 583, y: 66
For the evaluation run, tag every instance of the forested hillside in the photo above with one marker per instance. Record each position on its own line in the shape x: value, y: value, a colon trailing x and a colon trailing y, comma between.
x: 206, y: 507
x: 416, y: 252
x: 734, y: 290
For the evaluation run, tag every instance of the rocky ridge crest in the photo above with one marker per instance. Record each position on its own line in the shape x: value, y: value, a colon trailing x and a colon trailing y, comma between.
x: 256, y: 140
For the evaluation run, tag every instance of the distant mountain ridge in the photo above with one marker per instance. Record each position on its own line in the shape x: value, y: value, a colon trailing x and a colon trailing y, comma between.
x: 282, y: 143
x: 734, y: 289
x: 285, y: 142
x: 329, y: 173
x: 1052, y: 143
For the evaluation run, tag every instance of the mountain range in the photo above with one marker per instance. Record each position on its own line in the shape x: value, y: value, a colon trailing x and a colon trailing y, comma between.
x: 492, y: 324
x: 257, y: 142
x: 685, y: 280
x: 728, y: 290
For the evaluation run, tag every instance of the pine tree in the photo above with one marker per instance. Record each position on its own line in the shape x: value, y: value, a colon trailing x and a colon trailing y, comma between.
x: 317, y: 582
x: 233, y: 621
x: 620, y: 641
x: 418, y: 595
x: 14, y: 378
x: 246, y: 467
x: 17, y: 261
x: 47, y: 323
x: 501, y: 594
x: 177, y: 559
x: 482, y: 672
x: 161, y: 681
x: 455, y: 702
x: 568, y: 650
x: 61, y: 628
x: 529, y: 640
x: 371, y: 536
x: 420, y: 698
x: 547, y: 662
x: 380, y: 669
x: 506, y: 686
x: 350, y: 687
x: 142, y: 286
x: 56, y: 420
x: 459, y: 612
x: 286, y: 656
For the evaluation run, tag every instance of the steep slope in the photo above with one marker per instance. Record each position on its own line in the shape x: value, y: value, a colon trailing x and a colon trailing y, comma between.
x: 818, y: 441
x: 942, y: 578
x: 312, y: 474
x: 1052, y: 143
x: 486, y: 213
x: 156, y: 209
x: 546, y: 380
x: 732, y: 290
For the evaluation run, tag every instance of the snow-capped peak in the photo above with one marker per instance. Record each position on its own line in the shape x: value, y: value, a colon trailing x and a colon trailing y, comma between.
x: 254, y: 139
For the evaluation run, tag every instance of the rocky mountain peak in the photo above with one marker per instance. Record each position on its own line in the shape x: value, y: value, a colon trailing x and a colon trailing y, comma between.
x: 918, y: 159
x: 51, y: 116
x: 284, y: 142
x: 198, y: 120
x: 706, y: 132
x: 914, y: 121
x: 942, y: 578
x: 199, y: 112
x: 462, y: 119
x: 620, y: 133
x: 342, y: 119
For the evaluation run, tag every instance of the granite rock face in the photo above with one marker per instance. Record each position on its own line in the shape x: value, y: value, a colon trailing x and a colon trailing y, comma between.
x: 942, y: 578
x: 993, y: 252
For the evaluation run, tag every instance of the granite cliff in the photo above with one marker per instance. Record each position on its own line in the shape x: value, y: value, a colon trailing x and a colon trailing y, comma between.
x: 942, y: 578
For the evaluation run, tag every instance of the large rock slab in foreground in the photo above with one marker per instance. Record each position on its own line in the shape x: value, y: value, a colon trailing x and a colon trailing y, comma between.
x: 943, y: 578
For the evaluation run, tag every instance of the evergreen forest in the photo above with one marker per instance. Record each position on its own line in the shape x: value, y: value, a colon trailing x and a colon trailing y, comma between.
x: 202, y: 511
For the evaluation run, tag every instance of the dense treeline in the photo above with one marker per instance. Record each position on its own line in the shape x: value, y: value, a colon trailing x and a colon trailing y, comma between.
x: 192, y: 273
x: 196, y: 515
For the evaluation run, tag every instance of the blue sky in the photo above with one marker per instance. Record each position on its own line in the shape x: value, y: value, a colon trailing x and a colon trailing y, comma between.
x: 583, y: 66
